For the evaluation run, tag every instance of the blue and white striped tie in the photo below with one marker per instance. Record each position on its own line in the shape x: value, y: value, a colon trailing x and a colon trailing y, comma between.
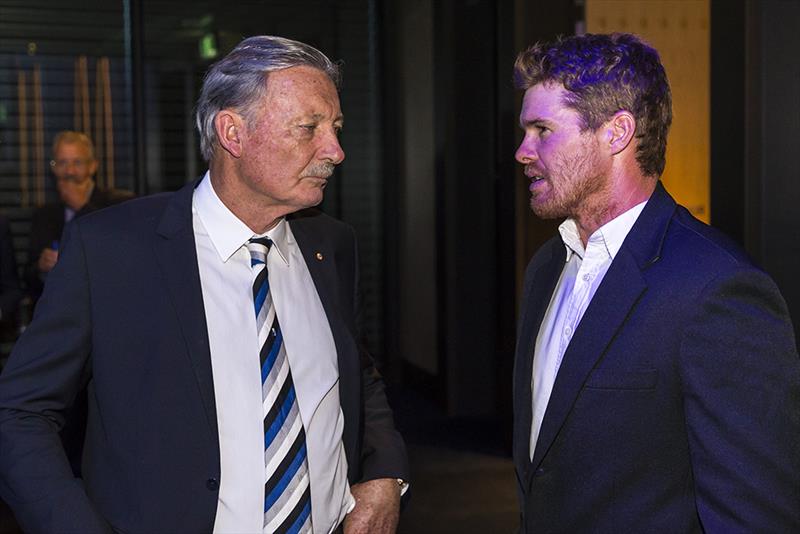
x: 287, y: 488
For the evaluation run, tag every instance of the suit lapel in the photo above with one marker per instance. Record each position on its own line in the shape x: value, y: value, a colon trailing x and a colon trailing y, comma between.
x: 319, y: 259
x: 616, y: 296
x: 177, y: 257
x: 621, y: 288
x: 538, y: 292
x: 319, y: 254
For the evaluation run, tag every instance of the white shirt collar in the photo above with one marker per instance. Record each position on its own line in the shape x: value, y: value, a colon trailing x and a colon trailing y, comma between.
x: 227, y: 232
x: 608, y: 238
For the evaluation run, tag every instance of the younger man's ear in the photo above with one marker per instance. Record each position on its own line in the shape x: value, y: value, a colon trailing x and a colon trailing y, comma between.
x: 228, y: 125
x: 620, y: 131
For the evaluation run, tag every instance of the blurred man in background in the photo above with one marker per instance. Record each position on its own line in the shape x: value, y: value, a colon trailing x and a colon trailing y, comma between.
x: 74, y: 166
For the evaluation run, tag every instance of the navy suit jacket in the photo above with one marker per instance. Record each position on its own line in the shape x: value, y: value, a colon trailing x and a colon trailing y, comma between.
x: 123, y: 312
x: 677, y: 405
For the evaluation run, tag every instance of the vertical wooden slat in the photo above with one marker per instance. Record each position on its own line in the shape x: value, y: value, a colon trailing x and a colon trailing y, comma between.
x: 98, y: 123
x: 76, y: 96
x: 22, y: 105
x: 83, y: 91
x: 38, y: 132
x: 108, y: 122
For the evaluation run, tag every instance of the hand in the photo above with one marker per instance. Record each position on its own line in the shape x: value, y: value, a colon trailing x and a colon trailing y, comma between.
x: 47, y: 260
x: 377, y: 509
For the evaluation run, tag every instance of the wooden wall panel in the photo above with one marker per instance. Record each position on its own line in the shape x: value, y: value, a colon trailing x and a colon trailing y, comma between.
x: 679, y: 30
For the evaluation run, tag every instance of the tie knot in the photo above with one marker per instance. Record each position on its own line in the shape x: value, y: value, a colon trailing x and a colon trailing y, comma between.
x: 259, y: 242
x: 258, y: 248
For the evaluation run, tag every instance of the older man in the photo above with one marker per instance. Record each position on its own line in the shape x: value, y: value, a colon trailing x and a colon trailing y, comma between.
x: 657, y: 381
x: 74, y: 167
x: 216, y: 329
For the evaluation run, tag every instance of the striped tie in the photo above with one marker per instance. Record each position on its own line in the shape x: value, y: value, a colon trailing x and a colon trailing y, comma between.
x: 287, y: 489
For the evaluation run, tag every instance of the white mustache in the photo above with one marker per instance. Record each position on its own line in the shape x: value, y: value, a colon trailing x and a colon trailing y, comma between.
x: 321, y: 170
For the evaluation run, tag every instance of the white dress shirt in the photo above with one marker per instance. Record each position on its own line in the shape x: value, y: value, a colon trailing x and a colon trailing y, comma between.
x: 582, y: 274
x: 226, y: 280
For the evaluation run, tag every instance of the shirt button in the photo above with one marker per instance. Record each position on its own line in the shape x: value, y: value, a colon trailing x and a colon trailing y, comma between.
x: 586, y: 277
x: 212, y: 484
x: 567, y: 331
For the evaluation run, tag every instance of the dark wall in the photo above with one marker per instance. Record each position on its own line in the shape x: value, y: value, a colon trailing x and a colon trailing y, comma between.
x: 780, y: 174
x: 453, y: 221
x: 465, y: 160
x: 728, y: 128
x: 755, y: 130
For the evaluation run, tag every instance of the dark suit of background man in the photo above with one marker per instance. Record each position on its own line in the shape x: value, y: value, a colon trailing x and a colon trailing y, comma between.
x: 151, y: 304
x: 10, y: 290
x: 657, y: 381
x: 74, y: 167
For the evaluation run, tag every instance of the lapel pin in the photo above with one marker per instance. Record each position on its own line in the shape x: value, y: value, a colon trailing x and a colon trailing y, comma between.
x: 319, y: 256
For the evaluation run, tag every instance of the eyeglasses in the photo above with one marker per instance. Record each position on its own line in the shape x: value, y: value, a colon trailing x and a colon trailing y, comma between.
x: 64, y: 163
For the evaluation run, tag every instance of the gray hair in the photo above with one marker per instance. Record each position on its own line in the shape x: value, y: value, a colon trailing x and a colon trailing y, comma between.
x: 70, y: 137
x: 238, y: 80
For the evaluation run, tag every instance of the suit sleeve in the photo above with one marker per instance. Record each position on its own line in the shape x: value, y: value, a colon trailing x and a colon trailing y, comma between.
x: 741, y: 379
x: 383, y: 452
x: 44, y: 230
x: 47, y: 368
x: 10, y: 290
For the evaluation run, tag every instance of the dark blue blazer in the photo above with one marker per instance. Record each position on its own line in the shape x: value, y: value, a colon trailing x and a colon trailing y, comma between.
x: 123, y: 312
x: 677, y: 405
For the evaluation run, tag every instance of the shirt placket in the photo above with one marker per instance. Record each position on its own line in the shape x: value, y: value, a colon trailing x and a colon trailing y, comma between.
x: 578, y: 294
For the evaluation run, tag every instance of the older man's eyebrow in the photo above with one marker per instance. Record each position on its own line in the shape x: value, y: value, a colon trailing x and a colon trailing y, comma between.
x: 319, y: 117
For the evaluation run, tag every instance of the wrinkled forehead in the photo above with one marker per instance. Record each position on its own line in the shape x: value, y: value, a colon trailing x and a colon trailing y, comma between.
x: 300, y: 78
x: 304, y: 90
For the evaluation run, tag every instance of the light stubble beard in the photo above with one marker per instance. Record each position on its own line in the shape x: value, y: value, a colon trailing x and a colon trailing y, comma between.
x: 578, y: 186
